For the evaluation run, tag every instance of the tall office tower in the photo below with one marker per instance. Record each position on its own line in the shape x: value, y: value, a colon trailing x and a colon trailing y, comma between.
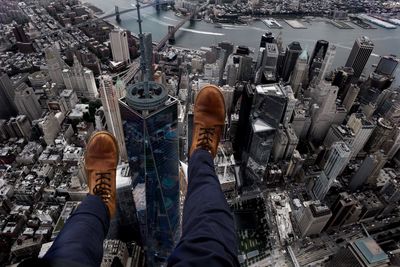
x: 27, y: 102
x: 323, y: 111
x: 313, y: 218
x: 387, y: 65
x: 290, y: 106
x: 362, y: 129
x: 395, y: 144
x: 81, y: 80
x: 267, y: 62
x: 50, y: 128
x: 280, y: 144
x: 372, y: 88
x: 338, y: 133
x: 270, y: 103
x: 228, y: 47
x: 321, y: 46
x: 360, y: 177
x: 351, y: 96
x: 227, y: 92
x: 359, y: 56
x: 336, y: 160
x: 379, y: 136
x: 385, y: 101
x: 267, y: 38
x: 258, y: 150
x: 248, y: 94
x: 20, y: 34
x: 21, y: 126
x: 380, y: 161
x: 109, y: 100
x: 55, y: 65
x: 119, y: 45
x: 270, y: 59
x: 295, y: 164
x: 342, y: 79
x: 7, y: 107
x: 342, y: 209
x: 150, y: 121
x: 293, y: 141
x: 301, y: 121
x: 326, y: 64
x: 297, y: 78
x: 245, y: 72
x: 293, y: 50
x: 363, y: 252
x: 231, y: 76
x: 393, y: 110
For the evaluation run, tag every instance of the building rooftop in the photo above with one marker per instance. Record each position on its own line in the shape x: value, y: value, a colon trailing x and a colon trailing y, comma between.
x: 269, y: 89
x: 371, y: 250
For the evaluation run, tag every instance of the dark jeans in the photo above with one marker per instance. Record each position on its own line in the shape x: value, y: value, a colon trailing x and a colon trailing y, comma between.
x: 208, y: 236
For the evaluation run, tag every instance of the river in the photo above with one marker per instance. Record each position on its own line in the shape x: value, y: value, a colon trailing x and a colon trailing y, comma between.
x: 387, y: 41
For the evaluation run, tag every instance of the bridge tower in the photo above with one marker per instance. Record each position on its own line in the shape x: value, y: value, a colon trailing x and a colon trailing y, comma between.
x: 117, y: 16
x: 171, y: 34
x: 158, y: 5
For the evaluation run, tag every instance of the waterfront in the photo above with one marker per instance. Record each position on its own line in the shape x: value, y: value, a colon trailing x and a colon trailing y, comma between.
x: 387, y: 41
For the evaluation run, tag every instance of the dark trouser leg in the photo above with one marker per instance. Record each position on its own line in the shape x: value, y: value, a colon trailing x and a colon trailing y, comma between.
x: 208, y: 232
x: 81, y: 239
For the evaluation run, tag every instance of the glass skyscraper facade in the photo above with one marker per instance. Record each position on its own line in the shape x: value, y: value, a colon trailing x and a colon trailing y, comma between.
x: 153, y: 153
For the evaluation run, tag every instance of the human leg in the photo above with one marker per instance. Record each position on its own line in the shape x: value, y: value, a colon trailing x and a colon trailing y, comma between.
x: 81, y: 239
x: 208, y: 232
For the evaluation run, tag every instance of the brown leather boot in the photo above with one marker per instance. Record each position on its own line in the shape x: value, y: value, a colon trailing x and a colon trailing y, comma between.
x: 101, y: 160
x: 209, y: 119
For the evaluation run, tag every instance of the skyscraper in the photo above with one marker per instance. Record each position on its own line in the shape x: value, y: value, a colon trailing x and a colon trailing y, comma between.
x: 326, y: 64
x: 258, y: 150
x: 27, y: 102
x: 350, y: 96
x: 321, y: 46
x: 342, y: 209
x: 387, y: 65
x: 109, y: 100
x: 150, y: 122
x: 313, y: 218
x: 363, y: 172
x: 80, y: 79
x: 299, y: 71
x: 363, y: 252
x: 336, y: 160
x: 293, y: 50
x: 359, y: 56
x: 55, y: 65
x: 119, y: 45
x: 362, y: 129
x: 7, y: 107
x: 342, y: 79
x: 267, y: 60
x: 316, y: 59
x: 270, y: 103
x: 20, y: 34
x: 379, y: 136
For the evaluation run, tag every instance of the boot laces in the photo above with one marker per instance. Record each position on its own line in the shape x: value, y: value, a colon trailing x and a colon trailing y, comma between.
x: 103, y: 186
x: 206, y: 138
